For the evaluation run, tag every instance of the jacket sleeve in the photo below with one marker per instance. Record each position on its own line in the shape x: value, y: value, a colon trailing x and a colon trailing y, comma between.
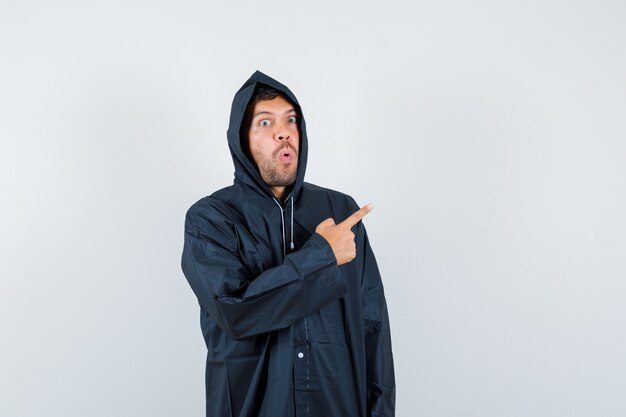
x: 244, y: 305
x: 381, y: 387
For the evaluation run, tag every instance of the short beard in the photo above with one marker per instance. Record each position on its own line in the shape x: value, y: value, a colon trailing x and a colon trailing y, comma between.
x: 275, y: 177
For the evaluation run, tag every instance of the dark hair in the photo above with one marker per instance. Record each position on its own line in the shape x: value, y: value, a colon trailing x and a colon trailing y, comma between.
x: 265, y: 92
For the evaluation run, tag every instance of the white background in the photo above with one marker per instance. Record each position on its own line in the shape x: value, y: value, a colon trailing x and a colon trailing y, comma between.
x: 489, y: 135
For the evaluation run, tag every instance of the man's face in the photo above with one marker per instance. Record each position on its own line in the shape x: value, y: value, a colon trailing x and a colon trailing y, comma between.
x: 274, y: 141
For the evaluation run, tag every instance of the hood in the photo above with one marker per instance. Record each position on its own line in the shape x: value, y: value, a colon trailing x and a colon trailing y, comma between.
x: 245, y: 170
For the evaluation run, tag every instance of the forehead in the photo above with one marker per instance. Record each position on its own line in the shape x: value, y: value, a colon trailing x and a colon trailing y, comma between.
x: 276, y: 106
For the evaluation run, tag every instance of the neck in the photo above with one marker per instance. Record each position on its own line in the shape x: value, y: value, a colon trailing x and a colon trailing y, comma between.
x: 278, y: 191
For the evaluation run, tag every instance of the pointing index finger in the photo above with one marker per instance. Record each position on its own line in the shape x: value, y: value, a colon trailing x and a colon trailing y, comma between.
x: 357, y: 215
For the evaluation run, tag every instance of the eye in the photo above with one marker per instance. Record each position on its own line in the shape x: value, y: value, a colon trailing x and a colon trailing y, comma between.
x: 264, y: 123
x: 292, y: 119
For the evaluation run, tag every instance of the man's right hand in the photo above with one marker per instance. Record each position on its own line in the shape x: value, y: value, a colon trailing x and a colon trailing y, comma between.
x: 340, y: 236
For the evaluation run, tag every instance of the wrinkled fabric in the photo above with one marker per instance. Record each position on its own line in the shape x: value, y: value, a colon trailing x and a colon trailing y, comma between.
x: 288, y: 332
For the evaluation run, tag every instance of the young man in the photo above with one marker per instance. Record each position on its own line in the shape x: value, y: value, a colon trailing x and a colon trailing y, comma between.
x: 292, y: 305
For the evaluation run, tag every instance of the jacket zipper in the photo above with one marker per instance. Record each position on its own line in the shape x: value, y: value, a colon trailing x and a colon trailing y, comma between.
x: 306, y: 325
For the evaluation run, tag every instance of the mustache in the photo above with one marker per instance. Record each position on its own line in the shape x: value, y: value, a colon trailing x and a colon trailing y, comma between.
x: 283, y: 147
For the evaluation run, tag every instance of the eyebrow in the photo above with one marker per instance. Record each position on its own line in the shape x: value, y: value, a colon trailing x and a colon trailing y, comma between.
x: 292, y: 110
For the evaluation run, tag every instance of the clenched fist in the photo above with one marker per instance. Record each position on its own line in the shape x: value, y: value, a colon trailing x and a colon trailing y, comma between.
x: 340, y: 236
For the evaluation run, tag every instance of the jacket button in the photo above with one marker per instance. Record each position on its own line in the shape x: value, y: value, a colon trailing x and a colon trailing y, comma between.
x: 300, y: 355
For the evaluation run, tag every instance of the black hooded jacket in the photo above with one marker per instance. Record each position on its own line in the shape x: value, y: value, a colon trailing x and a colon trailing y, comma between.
x: 288, y: 332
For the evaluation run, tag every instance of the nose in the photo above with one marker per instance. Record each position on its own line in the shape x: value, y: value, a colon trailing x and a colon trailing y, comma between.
x: 282, y: 132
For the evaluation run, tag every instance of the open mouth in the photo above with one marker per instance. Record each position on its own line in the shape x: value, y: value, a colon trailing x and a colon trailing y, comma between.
x: 286, y: 154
